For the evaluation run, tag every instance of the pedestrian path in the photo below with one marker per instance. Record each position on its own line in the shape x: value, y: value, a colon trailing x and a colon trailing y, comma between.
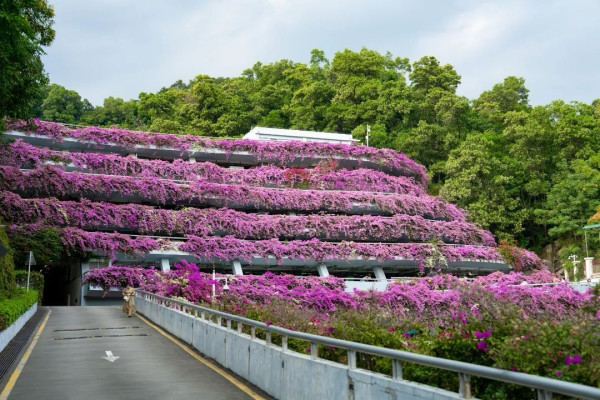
x: 98, y: 353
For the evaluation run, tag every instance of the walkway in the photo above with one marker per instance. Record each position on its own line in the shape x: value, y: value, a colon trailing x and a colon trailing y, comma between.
x: 69, y: 361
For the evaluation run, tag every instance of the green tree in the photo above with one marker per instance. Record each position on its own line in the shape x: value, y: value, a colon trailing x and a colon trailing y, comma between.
x: 25, y: 28
x: 62, y: 105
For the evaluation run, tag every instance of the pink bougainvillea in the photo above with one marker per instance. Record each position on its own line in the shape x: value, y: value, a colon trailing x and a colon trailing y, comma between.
x: 264, y: 151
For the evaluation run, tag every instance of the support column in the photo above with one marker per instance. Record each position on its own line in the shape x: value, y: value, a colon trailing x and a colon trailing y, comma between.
x: 164, y: 264
x: 589, y: 267
x: 322, y: 270
x: 236, y: 268
x: 85, y: 267
x: 379, y: 274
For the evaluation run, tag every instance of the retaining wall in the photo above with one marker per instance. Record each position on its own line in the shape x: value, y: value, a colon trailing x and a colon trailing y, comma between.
x: 283, y: 374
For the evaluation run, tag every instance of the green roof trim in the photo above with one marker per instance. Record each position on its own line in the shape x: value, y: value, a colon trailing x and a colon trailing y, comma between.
x: 591, y: 226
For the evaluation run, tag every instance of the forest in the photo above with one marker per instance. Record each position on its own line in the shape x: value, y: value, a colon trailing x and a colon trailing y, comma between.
x: 530, y: 174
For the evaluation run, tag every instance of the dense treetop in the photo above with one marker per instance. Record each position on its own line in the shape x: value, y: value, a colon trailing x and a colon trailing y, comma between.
x: 532, y: 173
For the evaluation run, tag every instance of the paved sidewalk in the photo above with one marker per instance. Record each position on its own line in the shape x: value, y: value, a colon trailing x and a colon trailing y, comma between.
x: 67, y: 362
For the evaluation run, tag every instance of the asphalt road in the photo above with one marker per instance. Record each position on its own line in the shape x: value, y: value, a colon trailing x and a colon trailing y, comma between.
x: 67, y: 362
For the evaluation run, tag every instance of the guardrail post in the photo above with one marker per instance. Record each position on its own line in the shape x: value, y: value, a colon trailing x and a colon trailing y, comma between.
x: 268, y: 337
x: 202, y: 315
x: 544, y: 394
x: 314, y: 350
x: 228, y: 324
x: 351, y: 359
x: 219, y: 320
x: 253, y: 332
x: 464, y: 388
x: 397, y: 369
x: 240, y: 326
x: 284, y: 343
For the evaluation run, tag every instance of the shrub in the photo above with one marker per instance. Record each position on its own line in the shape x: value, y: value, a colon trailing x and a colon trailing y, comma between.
x: 7, y: 277
x: 36, y: 281
x: 12, y: 308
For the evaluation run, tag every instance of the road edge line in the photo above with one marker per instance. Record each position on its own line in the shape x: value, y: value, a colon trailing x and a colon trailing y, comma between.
x: 17, y: 372
x: 221, y: 371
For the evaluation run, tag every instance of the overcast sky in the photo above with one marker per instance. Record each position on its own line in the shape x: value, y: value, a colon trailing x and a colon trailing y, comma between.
x: 123, y: 47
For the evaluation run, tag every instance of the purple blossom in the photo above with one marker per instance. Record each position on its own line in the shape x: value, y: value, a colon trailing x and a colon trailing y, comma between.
x: 482, y: 335
x: 573, y: 360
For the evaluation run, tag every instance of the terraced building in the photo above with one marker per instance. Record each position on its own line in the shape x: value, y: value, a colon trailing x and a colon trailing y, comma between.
x: 239, y: 206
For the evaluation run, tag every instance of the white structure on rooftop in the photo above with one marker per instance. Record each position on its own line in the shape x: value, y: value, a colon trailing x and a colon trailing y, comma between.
x: 279, y: 135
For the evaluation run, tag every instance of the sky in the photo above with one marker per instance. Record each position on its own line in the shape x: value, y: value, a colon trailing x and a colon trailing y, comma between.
x: 120, y: 48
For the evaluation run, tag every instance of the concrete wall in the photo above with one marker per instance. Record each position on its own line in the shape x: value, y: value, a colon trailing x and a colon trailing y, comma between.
x: 283, y: 374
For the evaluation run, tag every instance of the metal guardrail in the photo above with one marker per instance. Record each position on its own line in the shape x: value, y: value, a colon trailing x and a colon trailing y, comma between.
x: 545, y: 386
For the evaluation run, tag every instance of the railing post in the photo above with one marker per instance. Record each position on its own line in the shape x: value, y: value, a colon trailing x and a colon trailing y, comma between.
x: 397, y: 369
x: 228, y: 324
x: 464, y: 388
x: 284, y: 343
x: 544, y: 394
x: 202, y: 315
x: 219, y: 320
x: 240, y: 326
x: 351, y: 359
x: 268, y: 337
x: 253, y: 332
x: 314, y: 350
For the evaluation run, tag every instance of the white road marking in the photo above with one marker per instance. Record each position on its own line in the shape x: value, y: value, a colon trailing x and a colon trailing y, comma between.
x: 110, y: 357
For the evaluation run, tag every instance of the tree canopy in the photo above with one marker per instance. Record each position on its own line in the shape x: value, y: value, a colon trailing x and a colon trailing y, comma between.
x: 25, y: 28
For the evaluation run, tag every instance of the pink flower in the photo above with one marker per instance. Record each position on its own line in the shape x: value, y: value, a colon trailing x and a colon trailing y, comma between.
x: 558, y: 373
x: 482, y: 335
x: 391, y: 329
x: 482, y: 346
x: 573, y: 360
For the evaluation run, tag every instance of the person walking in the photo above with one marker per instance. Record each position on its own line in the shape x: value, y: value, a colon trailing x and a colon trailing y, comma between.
x: 129, y: 298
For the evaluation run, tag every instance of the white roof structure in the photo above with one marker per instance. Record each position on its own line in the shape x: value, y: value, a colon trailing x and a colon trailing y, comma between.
x: 279, y: 135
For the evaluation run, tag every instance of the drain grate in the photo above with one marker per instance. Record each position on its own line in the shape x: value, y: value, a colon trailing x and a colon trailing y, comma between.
x: 102, y: 336
x: 11, y: 352
x: 96, y: 329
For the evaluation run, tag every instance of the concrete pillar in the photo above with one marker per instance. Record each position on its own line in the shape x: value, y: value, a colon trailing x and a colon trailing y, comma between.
x: 85, y: 267
x: 589, y: 267
x: 322, y: 270
x: 236, y: 268
x: 575, y: 270
x: 164, y: 264
x: 566, y: 274
x: 379, y: 274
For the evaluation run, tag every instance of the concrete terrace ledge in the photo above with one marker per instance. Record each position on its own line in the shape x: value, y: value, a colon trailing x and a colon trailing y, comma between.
x: 218, y: 156
x: 10, y: 332
x: 285, y: 374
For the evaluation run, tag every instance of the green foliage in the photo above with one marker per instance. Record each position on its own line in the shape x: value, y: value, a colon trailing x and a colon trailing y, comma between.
x: 7, y: 276
x: 46, y: 246
x: 25, y: 28
x: 12, y: 308
x: 36, y: 281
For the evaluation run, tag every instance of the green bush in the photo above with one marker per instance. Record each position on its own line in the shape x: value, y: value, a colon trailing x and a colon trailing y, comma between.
x: 7, y: 277
x: 36, y: 281
x: 12, y: 308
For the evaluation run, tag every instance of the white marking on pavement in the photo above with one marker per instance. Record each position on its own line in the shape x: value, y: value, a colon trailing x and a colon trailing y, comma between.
x: 110, y: 357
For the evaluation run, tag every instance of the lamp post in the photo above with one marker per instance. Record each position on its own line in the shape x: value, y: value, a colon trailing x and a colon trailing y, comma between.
x: 368, y: 130
x: 214, y: 288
